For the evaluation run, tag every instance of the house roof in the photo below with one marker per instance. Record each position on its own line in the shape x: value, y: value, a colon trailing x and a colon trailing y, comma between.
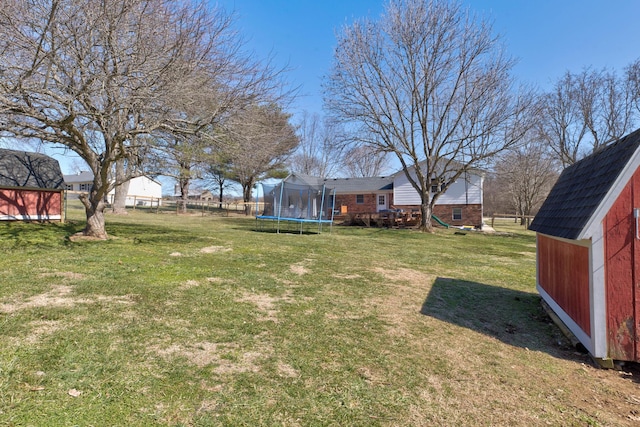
x: 360, y: 185
x: 87, y: 176
x: 83, y: 176
x: 581, y: 188
x: 21, y: 169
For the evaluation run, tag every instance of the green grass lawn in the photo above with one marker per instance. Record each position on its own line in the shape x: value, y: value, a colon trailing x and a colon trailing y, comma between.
x: 202, y: 320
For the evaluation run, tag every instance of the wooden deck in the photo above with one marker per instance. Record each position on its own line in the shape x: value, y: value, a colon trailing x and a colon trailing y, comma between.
x: 380, y: 219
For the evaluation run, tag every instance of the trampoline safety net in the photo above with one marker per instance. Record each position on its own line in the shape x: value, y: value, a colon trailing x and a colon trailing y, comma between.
x: 296, y: 199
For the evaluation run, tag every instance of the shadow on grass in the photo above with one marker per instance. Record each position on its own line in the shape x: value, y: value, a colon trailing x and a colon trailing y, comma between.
x: 153, y: 234
x: 511, y: 316
x: 36, y: 233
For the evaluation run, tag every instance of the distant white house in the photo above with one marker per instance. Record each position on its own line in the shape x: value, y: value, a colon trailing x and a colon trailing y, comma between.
x: 80, y: 182
x: 143, y: 191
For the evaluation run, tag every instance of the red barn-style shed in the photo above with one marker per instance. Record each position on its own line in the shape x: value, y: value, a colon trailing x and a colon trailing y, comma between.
x: 31, y: 187
x: 588, y: 250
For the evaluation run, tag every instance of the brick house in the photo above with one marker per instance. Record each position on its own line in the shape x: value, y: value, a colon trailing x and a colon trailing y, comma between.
x: 461, y: 204
x: 361, y: 195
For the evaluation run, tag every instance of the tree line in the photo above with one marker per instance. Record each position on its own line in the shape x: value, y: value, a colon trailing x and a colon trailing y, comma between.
x: 164, y: 87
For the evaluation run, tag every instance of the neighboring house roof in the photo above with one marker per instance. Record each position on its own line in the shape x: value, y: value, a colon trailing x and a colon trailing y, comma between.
x: 22, y: 169
x: 360, y: 185
x: 84, y: 176
x: 582, y: 187
x: 87, y: 176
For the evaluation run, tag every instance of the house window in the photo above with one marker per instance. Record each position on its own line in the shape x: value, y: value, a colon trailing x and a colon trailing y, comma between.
x: 435, y: 188
x: 85, y: 187
x: 68, y: 187
x: 457, y: 214
x: 360, y: 199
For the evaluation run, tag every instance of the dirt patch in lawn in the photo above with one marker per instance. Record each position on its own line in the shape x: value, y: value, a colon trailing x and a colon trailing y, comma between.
x: 214, y: 249
x: 407, y: 289
x: 266, y: 304
x: 59, y: 296
x: 69, y: 275
x: 224, y: 355
x: 298, y: 269
x: 39, y: 330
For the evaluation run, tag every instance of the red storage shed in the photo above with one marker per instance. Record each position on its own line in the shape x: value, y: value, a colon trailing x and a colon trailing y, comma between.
x: 588, y: 250
x: 31, y: 187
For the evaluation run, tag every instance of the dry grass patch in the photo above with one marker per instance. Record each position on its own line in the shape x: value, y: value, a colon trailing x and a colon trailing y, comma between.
x: 224, y: 356
x: 189, y: 284
x: 59, y: 296
x: 347, y: 276
x: 401, y: 306
x: 69, y: 275
x: 214, y: 249
x: 266, y: 304
x: 39, y: 329
x: 287, y: 371
x: 301, y: 268
x: 298, y: 269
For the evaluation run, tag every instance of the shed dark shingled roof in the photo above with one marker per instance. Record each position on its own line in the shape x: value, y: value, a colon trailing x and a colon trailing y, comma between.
x: 20, y: 169
x: 582, y: 187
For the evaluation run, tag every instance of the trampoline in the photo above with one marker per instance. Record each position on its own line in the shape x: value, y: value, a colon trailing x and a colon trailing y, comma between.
x: 295, y: 202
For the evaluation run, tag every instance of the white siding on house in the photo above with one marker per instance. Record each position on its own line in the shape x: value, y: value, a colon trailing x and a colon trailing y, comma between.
x: 143, y: 186
x: 463, y: 191
x: 141, y: 191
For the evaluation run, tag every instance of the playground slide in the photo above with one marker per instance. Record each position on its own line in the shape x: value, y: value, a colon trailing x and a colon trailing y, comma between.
x: 439, y: 221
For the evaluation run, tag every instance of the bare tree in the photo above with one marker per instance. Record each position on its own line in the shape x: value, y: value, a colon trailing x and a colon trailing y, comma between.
x: 430, y: 84
x: 218, y: 173
x: 93, y: 75
x: 322, y: 144
x: 584, y: 112
x: 364, y: 161
x: 561, y: 124
x: 526, y: 174
x: 183, y: 157
x: 256, y: 142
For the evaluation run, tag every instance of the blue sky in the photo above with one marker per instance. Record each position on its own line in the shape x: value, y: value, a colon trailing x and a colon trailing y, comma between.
x: 548, y: 37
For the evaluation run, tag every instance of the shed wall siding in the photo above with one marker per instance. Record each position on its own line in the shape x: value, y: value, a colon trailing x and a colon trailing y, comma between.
x: 563, y: 272
x: 30, y: 204
x: 622, y: 250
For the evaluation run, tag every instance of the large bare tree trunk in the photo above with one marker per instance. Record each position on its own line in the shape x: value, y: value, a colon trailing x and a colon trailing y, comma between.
x: 220, y: 194
x: 246, y: 195
x: 184, y: 195
x: 120, y: 199
x: 94, y: 209
x: 119, y: 205
x: 425, y: 219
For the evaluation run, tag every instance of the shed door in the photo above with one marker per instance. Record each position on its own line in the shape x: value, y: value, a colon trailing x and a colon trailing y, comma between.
x: 622, y: 273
